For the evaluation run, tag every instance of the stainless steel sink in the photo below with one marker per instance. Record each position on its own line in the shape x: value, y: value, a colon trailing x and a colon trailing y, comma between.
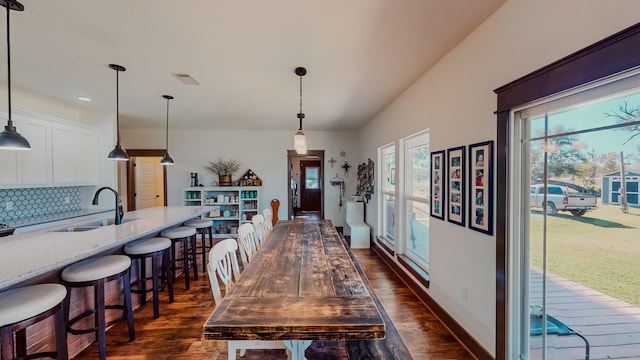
x: 92, y: 225
x: 107, y: 222
x: 77, y: 228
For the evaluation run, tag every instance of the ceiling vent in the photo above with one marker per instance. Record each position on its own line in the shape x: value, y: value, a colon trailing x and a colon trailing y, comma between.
x: 186, y: 79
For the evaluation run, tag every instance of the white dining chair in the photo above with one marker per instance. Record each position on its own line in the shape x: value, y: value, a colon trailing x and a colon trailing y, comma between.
x: 247, y: 243
x: 223, y: 266
x: 259, y: 227
x: 268, y: 220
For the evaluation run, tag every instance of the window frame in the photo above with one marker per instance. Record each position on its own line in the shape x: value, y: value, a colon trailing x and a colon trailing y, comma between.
x: 409, y: 197
x: 610, y: 56
x: 391, y: 243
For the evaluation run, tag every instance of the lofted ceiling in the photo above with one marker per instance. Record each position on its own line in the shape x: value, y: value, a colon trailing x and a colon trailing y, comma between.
x: 359, y: 54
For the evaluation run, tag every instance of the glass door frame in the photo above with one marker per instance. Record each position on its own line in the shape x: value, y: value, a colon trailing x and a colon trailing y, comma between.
x: 610, y: 56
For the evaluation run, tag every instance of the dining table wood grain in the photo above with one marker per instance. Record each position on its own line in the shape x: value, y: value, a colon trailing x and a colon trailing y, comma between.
x: 301, y: 285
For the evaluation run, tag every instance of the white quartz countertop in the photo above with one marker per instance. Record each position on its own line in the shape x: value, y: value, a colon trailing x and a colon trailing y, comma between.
x: 31, y: 254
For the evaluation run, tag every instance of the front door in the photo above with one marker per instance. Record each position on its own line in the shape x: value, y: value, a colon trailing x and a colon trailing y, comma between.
x: 305, y: 184
x: 310, y: 199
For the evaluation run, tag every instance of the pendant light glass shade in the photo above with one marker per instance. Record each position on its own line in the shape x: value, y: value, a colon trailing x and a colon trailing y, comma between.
x: 10, y: 139
x: 300, y: 142
x: 166, y: 159
x: 299, y: 138
x: 118, y: 153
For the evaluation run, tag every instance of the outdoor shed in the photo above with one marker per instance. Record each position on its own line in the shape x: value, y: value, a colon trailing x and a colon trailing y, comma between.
x: 611, y: 184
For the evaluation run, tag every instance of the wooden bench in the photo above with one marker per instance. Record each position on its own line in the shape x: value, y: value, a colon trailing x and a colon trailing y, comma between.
x: 392, y: 346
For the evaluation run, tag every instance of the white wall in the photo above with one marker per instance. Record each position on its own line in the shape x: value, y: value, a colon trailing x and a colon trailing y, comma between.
x: 265, y: 152
x: 455, y: 100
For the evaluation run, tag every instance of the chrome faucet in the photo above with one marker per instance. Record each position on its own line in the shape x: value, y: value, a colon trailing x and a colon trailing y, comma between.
x: 118, y: 218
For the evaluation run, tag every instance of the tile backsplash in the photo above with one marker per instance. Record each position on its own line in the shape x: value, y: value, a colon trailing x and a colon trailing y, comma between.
x: 23, y: 203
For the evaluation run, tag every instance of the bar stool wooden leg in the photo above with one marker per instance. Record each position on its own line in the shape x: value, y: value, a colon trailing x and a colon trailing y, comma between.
x: 100, y: 318
x: 194, y: 263
x: 155, y: 258
x: 128, y: 305
x: 185, y: 261
x: 61, y: 336
x: 166, y: 270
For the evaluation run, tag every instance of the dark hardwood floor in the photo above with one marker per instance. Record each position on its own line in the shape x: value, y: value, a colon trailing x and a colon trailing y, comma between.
x: 177, y: 333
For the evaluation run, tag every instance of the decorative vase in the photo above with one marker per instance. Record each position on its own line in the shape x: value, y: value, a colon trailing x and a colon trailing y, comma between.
x: 224, y: 180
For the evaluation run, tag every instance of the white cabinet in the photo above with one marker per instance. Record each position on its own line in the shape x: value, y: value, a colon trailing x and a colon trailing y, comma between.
x: 74, y: 156
x: 36, y: 163
x: 61, y: 154
x: 231, y: 206
x: 30, y: 167
x: 11, y: 165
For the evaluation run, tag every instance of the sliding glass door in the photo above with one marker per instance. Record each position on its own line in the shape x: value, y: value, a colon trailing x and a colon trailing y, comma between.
x: 576, y: 216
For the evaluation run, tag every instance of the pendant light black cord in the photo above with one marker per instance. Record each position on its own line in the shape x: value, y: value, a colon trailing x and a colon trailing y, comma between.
x: 117, y: 107
x: 300, y: 114
x: 167, y: 128
x: 9, y: 122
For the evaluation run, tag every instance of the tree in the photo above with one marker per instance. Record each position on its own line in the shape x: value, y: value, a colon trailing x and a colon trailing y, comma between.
x: 627, y: 114
x: 564, y: 155
x: 609, y: 162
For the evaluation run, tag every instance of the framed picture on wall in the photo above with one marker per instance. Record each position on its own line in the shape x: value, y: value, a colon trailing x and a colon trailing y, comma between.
x: 481, y: 187
x: 438, y: 193
x: 456, y: 185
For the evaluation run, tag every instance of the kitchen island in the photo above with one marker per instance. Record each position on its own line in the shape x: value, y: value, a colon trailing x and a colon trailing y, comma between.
x: 30, y: 255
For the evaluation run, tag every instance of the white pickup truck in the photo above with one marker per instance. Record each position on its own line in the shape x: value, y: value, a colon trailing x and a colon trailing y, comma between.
x: 559, y: 200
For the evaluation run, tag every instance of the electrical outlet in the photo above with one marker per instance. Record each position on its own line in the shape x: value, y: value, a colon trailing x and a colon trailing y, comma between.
x: 67, y: 200
x: 465, y: 294
x: 8, y: 205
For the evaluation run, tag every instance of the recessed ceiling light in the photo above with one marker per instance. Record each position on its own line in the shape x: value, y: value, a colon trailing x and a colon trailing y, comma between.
x: 186, y: 79
x: 83, y: 98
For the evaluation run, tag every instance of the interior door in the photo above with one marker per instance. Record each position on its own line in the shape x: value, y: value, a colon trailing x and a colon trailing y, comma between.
x: 149, y: 180
x: 310, y: 197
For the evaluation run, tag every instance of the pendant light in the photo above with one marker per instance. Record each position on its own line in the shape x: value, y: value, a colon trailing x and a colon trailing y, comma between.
x: 118, y: 153
x: 166, y: 159
x: 10, y: 139
x: 300, y: 139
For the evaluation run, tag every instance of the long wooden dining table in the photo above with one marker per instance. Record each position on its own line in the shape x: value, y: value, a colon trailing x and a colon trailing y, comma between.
x: 301, y: 285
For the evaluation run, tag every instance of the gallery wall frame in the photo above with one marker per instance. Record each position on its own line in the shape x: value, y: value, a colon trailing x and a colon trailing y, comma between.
x: 456, y: 185
x: 438, y: 197
x: 481, y: 187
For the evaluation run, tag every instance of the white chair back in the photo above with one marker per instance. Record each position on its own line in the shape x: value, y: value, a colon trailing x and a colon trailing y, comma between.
x: 259, y: 227
x: 268, y: 220
x: 223, y: 265
x: 248, y: 242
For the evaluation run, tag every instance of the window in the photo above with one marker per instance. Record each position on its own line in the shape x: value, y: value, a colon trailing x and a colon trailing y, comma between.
x: 388, y: 193
x: 312, y: 175
x: 416, y: 197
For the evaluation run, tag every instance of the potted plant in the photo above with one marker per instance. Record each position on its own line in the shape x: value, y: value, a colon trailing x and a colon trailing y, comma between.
x: 225, y: 169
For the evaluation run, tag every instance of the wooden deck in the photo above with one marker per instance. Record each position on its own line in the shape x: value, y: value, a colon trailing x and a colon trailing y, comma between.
x: 611, y: 326
x: 177, y: 334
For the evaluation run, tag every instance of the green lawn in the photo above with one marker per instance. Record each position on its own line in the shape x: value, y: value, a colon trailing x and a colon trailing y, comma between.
x: 600, y: 250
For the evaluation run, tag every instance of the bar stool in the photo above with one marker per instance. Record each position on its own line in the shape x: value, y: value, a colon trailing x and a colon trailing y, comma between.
x: 96, y: 272
x: 185, y: 235
x: 203, y: 226
x: 157, y: 249
x: 25, y: 306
